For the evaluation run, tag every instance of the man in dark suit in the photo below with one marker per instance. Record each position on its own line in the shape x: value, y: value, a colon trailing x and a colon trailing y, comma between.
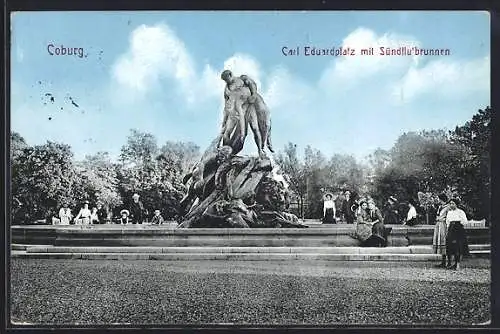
x: 346, y: 207
x: 136, y: 210
x: 102, y: 213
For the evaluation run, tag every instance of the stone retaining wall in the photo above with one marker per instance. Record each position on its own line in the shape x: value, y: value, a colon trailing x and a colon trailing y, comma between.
x: 166, y: 236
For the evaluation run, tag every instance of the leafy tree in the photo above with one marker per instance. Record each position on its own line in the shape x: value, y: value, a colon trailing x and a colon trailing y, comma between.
x: 154, y: 173
x: 316, y: 178
x: 18, y: 208
x: 42, y: 179
x: 181, y: 155
x: 474, y: 177
x: 437, y: 161
x: 344, y: 172
x: 379, y: 160
x: 17, y: 144
x: 141, y: 148
x: 99, y: 180
x: 295, y: 171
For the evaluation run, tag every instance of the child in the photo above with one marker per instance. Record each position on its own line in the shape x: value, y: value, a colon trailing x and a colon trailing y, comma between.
x: 157, y: 218
x: 124, y: 219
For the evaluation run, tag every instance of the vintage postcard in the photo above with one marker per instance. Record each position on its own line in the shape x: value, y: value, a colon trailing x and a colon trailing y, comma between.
x: 250, y: 168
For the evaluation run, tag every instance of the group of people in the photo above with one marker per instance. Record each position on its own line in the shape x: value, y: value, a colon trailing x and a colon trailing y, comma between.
x: 84, y: 217
x: 338, y: 208
x: 370, y: 229
x: 345, y: 207
x: 98, y: 215
x: 449, y: 238
x: 136, y: 213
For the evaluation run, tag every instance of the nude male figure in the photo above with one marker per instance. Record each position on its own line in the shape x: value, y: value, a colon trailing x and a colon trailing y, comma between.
x: 243, y: 107
x: 257, y: 116
x: 236, y: 94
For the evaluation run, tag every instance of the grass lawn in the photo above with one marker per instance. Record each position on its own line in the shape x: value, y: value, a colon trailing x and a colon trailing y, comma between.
x: 275, y: 293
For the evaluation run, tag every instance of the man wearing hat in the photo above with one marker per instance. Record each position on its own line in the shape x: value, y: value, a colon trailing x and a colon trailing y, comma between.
x: 136, y: 210
x: 346, y: 207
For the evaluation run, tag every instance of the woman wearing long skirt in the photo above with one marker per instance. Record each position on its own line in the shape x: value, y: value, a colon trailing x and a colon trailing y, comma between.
x: 456, y: 239
x: 363, y: 223
x: 440, y: 231
x: 329, y: 210
x: 378, y: 229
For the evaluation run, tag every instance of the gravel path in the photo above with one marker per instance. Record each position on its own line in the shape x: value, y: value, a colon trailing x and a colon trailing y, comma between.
x: 279, y: 293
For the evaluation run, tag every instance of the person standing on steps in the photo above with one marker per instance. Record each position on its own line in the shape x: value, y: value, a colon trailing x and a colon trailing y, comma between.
x: 136, y: 210
x: 102, y: 213
x: 440, y: 230
x: 329, y: 210
x: 456, y: 239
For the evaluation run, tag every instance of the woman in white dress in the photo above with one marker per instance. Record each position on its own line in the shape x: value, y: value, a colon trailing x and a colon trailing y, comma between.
x: 440, y: 230
x: 83, y: 216
x: 65, y: 215
x: 329, y: 210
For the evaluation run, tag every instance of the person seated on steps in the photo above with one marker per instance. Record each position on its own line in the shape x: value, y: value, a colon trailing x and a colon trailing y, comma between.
x: 411, y: 218
x: 124, y: 217
x: 378, y: 237
x: 370, y: 229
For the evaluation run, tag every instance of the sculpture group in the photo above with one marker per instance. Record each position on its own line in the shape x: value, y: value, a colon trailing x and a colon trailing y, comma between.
x: 227, y: 190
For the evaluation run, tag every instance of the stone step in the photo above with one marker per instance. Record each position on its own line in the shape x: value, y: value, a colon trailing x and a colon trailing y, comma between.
x: 418, y: 249
x: 482, y: 251
x: 233, y: 250
x: 480, y: 247
x: 234, y: 257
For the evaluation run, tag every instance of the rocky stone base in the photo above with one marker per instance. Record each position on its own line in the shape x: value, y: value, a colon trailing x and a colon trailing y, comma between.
x: 242, y: 192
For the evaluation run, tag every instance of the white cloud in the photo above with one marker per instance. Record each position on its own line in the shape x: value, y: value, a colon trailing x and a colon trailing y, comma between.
x: 244, y: 64
x: 154, y: 52
x: 19, y: 54
x: 210, y: 84
x: 446, y: 78
x: 285, y: 90
x: 350, y: 69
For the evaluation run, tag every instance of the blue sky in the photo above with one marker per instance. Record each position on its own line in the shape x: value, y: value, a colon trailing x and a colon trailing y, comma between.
x: 159, y: 72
